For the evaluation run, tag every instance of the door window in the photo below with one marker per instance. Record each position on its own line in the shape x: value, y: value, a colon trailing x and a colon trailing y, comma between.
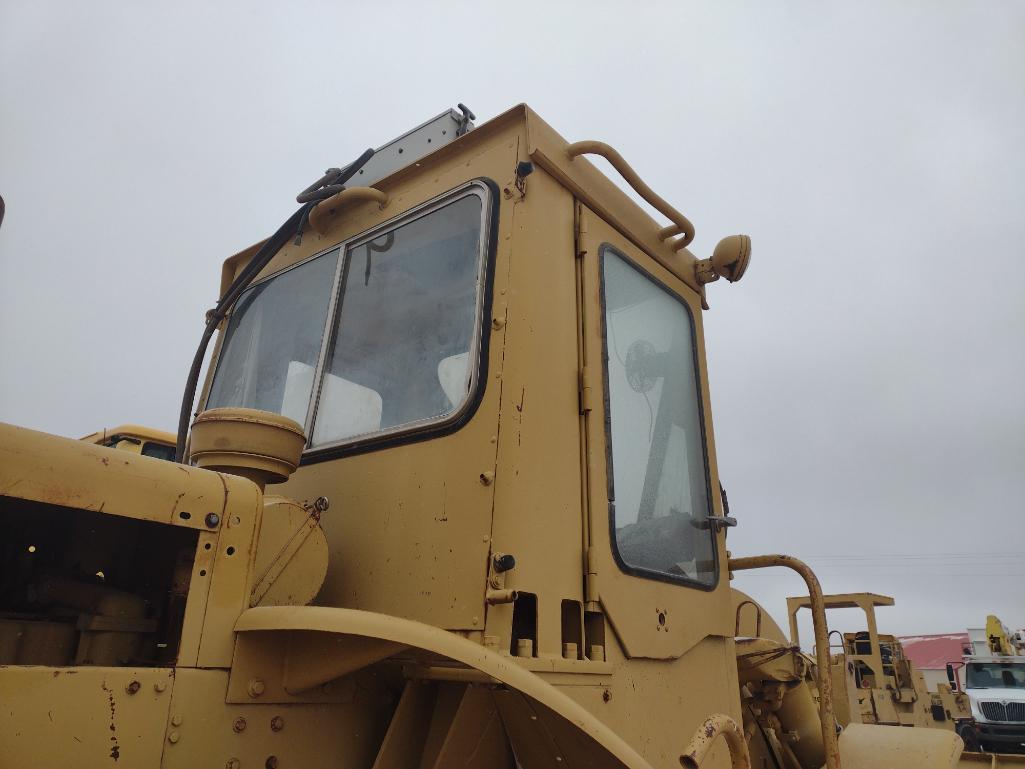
x: 658, y: 479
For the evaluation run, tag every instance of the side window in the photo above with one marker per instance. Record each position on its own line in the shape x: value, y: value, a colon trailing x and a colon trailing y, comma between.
x: 658, y: 480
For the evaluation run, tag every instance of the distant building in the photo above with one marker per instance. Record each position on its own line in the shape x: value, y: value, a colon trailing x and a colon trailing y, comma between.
x: 931, y: 653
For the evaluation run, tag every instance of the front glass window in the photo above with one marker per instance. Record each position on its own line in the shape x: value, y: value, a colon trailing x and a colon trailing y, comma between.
x: 274, y: 339
x: 658, y: 489
x: 400, y: 346
x: 995, y: 675
x: 403, y: 330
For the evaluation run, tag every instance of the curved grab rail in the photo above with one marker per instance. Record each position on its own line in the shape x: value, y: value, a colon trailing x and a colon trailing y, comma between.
x: 717, y: 725
x: 328, y: 208
x: 680, y: 224
x: 818, y: 616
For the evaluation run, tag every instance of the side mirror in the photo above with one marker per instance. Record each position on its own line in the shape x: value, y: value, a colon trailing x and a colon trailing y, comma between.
x: 952, y: 677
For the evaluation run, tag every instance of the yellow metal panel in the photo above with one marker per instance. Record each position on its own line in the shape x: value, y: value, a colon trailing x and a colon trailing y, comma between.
x: 538, y: 517
x: 59, y: 471
x: 231, y: 575
x: 211, y: 733
x: 83, y: 717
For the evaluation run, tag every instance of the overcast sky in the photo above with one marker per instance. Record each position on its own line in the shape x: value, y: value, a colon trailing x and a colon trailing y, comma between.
x: 867, y: 375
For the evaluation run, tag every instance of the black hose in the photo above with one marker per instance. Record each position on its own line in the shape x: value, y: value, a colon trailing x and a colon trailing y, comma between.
x: 216, y: 315
x: 332, y: 182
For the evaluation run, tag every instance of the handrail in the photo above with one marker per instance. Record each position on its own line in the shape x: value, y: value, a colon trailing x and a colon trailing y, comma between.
x: 715, y: 726
x: 758, y: 617
x: 328, y: 208
x: 680, y: 223
x: 818, y: 618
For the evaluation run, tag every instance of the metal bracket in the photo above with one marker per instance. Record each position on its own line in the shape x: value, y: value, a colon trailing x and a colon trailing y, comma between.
x: 715, y: 522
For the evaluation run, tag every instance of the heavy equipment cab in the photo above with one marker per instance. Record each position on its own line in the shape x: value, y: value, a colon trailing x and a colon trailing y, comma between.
x: 450, y: 499
x: 147, y: 441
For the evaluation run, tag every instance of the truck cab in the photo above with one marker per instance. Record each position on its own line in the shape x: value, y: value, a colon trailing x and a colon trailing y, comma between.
x: 993, y: 677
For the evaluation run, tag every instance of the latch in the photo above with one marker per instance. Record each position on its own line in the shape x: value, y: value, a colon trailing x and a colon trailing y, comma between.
x: 714, y: 522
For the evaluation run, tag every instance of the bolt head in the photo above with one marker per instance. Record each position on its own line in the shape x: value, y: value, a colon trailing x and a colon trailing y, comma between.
x: 173, y: 737
x: 212, y: 519
x: 239, y: 726
x: 133, y: 687
x: 277, y: 724
x: 256, y: 687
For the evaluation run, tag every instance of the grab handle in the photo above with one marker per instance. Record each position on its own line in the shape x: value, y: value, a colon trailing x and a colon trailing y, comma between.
x: 320, y: 215
x: 680, y: 224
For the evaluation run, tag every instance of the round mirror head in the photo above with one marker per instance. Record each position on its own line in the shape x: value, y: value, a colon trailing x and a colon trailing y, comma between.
x: 731, y: 257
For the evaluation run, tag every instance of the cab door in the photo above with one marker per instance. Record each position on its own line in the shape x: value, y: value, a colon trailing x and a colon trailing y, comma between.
x: 656, y: 560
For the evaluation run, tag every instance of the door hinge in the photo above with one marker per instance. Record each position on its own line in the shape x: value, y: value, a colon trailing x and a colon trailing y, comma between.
x: 591, y: 578
x: 580, y: 230
x: 586, y: 390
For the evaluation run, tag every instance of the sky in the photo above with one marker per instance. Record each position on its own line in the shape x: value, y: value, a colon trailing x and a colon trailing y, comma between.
x: 868, y: 373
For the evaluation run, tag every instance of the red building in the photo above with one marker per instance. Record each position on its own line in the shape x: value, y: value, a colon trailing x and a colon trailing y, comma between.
x: 931, y: 653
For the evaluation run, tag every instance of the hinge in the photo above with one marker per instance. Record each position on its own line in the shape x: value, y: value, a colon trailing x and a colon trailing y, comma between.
x: 579, y: 230
x: 586, y: 390
x: 591, y: 595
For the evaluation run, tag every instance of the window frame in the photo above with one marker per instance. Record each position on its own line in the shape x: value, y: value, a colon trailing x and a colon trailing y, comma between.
x: 639, y: 571
x: 486, y: 191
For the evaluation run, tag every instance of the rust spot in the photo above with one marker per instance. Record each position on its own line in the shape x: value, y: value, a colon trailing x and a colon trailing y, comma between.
x: 104, y: 460
x: 709, y: 730
x: 115, y: 750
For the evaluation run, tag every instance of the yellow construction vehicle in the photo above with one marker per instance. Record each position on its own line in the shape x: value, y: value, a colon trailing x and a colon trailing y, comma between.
x: 874, y: 682
x: 450, y: 500
x: 147, y: 441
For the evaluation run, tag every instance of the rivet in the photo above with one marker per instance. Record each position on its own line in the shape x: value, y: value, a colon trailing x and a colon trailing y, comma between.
x: 160, y: 686
x: 497, y: 323
x: 475, y: 620
x: 173, y: 737
x: 487, y: 478
x: 212, y: 519
x: 133, y: 687
x: 271, y: 762
x: 176, y: 720
x: 239, y: 725
x: 277, y: 724
x: 256, y: 687
x: 233, y: 763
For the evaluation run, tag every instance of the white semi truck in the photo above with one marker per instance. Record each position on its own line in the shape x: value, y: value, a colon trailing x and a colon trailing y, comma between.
x: 992, y: 674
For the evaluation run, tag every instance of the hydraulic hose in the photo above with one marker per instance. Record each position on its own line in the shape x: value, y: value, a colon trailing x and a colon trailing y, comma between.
x: 329, y: 184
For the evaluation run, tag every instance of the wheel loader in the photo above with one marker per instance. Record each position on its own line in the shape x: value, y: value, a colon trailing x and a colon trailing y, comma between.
x: 875, y: 682
x: 449, y: 499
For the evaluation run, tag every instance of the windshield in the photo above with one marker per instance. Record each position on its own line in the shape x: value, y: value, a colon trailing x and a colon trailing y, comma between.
x: 996, y: 675
x: 401, y: 344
